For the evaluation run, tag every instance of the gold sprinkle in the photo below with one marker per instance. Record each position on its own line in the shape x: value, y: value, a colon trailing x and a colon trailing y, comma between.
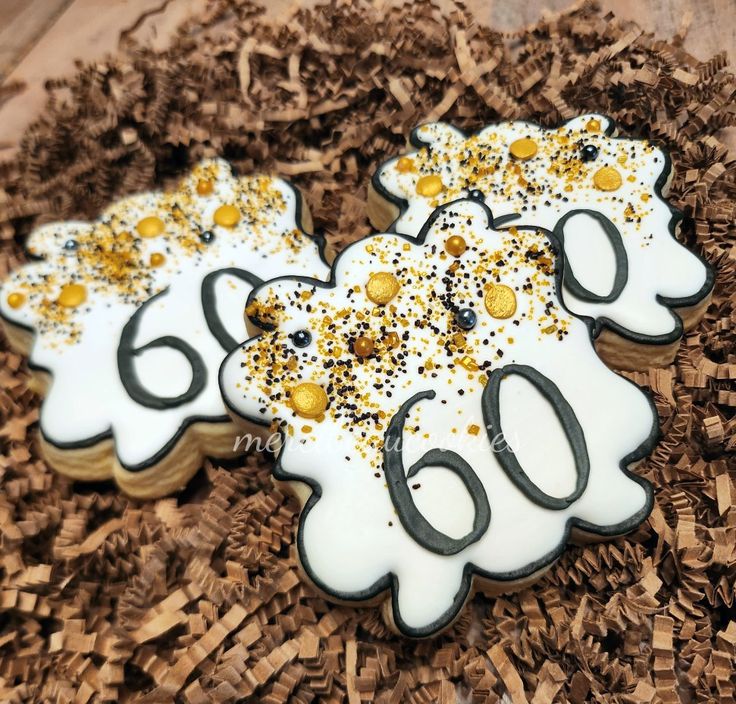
x: 363, y: 346
x: 308, y: 400
x: 16, y: 300
x: 205, y: 187
x: 150, y: 226
x: 156, y: 259
x: 468, y: 363
x: 227, y: 216
x: 523, y: 148
x: 392, y: 340
x: 593, y: 125
x: 500, y: 301
x: 607, y: 179
x: 429, y: 186
x: 549, y: 329
x: 405, y: 165
x: 382, y: 287
x: 473, y: 429
x: 455, y: 245
x: 306, y: 428
x: 459, y: 340
x: 72, y: 295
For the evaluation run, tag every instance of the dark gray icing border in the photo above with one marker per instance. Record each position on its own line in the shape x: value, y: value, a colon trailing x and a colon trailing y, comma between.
x: 209, y: 303
x: 621, y: 276
x: 415, y: 524
x: 389, y: 582
x: 126, y: 354
x: 318, y: 238
x: 490, y: 404
x: 601, y: 323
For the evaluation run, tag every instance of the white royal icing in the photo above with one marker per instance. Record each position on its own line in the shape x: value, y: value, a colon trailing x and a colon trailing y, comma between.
x: 352, y: 535
x: 80, y: 346
x: 553, y: 182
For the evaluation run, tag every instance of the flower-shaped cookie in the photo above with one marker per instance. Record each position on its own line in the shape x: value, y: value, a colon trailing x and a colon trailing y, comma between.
x: 450, y: 419
x: 598, y: 194
x: 130, y: 317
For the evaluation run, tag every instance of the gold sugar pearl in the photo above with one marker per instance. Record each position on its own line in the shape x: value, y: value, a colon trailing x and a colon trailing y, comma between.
x: 16, y: 300
x: 150, y: 227
x: 308, y: 400
x: 405, y: 165
x: 382, y: 287
x: 227, y: 216
x: 523, y: 148
x: 607, y: 179
x: 500, y: 301
x: 429, y: 186
x: 363, y: 346
x: 205, y: 187
x: 156, y: 259
x: 455, y: 245
x: 72, y: 295
x: 593, y: 125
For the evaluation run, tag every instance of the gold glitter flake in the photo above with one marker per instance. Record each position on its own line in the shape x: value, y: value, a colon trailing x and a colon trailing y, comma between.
x: 500, y: 301
x: 607, y: 179
x: 523, y: 148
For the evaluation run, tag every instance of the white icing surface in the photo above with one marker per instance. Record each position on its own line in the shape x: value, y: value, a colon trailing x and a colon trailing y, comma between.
x: 552, y: 183
x: 352, y: 535
x: 87, y: 397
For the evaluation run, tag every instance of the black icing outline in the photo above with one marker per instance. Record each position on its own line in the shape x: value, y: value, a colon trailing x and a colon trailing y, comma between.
x: 621, y: 275
x: 389, y: 582
x: 126, y: 354
x: 491, y: 406
x: 601, y: 323
x: 415, y: 524
x: 209, y: 303
x: 317, y: 238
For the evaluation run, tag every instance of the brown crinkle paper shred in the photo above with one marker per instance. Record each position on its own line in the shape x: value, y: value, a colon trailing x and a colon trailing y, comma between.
x: 196, y: 598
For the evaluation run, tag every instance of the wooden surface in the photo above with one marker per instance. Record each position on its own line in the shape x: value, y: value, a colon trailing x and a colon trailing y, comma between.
x: 40, y: 39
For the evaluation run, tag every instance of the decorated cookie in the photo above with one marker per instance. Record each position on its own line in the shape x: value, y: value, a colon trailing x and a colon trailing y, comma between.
x: 444, y: 421
x: 601, y: 198
x: 128, y: 318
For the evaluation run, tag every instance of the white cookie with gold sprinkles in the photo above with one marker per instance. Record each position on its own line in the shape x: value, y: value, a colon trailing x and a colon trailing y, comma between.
x: 444, y: 421
x: 602, y: 197
x: 127, y: 319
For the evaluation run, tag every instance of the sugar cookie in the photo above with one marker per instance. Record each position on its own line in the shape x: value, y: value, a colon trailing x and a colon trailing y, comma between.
x: 600, y: 195
x: 128, y: 318
x: 448, y: 438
